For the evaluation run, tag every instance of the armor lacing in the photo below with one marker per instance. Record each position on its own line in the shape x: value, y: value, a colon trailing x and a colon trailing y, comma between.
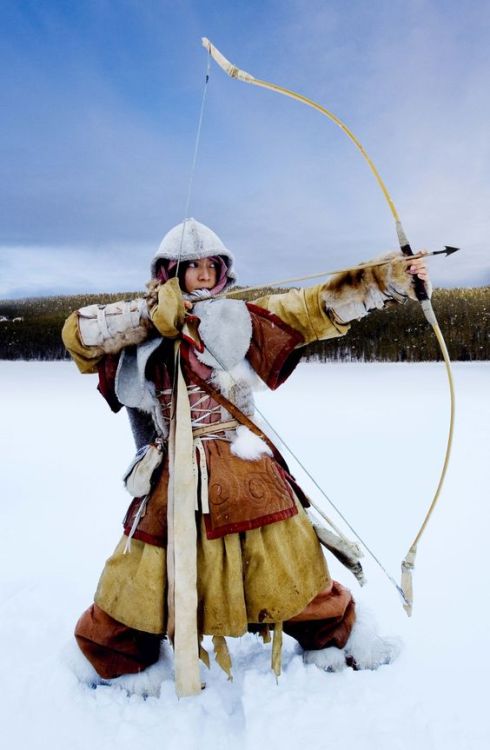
x: 202, y: 431
x: 216, y: 429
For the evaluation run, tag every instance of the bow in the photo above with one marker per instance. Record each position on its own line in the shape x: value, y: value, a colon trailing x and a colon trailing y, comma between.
x: 408, y: 563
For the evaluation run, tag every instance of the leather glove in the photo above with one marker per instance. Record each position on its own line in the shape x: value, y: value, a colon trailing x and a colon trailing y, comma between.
x: 168, y: 313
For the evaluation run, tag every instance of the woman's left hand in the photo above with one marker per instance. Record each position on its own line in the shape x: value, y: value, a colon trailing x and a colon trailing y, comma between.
x: 419, y: 268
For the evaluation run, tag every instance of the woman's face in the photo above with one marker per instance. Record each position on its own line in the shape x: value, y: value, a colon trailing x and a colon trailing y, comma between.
x: 200, y: 274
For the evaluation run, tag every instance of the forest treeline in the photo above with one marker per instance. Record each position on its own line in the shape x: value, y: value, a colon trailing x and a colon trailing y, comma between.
x: 30, y: 328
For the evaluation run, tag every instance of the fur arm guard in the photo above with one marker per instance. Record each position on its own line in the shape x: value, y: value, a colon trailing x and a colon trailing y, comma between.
x: 114, y: 326
x: 353, y: 294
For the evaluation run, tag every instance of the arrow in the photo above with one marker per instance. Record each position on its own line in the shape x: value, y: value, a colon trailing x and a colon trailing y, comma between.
x: 448, y: 250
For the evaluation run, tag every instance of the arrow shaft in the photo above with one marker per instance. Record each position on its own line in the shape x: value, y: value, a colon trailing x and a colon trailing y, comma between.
x: 322, y: 274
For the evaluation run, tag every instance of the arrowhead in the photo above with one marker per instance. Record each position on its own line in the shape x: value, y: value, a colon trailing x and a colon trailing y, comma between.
x: 448, y: 250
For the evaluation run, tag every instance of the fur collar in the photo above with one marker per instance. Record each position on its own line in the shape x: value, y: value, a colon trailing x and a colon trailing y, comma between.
x: 226, y: 331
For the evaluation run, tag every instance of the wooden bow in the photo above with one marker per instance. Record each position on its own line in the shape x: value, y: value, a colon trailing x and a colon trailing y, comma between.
x: 408, y: 563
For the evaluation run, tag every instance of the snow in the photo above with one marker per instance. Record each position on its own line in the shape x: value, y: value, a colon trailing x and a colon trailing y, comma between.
x: 373, y: 435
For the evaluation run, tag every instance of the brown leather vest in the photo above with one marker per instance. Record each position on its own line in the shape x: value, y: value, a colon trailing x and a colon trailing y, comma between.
x: 243, y: 494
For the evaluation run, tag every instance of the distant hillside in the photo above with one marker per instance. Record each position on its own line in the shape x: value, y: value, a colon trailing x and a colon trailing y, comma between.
x: 30, y: 328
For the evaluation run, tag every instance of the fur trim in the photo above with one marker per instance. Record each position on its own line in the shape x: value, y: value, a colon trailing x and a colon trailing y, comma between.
x: 352, y: 294
x: 365, y: 649
x: 131, y: 337
x: 77, y: 663
x: 243, y: 373
x: 248, y: 446
x: 132, y: 387
x: 226, y: 330
x: 151, y: 295
x: 238, y: 385
x: 146, y: 683
x: 330, y: 659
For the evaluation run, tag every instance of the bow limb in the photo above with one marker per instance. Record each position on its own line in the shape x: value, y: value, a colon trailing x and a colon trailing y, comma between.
x: 408, y: 562
x: 420, y: 290
x: 241, y: 75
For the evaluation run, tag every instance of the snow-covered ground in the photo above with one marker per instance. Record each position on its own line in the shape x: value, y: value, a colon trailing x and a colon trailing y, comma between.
x: 373, y: 435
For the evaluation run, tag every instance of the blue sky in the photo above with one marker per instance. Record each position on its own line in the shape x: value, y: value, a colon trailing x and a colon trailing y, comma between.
x: 100, y: 100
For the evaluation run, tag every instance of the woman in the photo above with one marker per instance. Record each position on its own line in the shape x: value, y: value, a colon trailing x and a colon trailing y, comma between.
x: 218, y: 543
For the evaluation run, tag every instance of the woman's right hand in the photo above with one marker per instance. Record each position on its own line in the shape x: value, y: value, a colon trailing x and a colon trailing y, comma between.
x: 169, y: 313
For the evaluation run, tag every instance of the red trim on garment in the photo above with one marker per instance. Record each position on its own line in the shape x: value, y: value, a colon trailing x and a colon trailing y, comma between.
x: 143, y: 536
x: 194, y: 365
x: 107, y: 369
x: 196, y: 344
x: 255, y: 523
x: 274, y: 372
x: 276, y: 320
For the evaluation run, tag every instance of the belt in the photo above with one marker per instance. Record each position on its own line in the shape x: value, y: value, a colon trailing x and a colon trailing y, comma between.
x: 214, y: 427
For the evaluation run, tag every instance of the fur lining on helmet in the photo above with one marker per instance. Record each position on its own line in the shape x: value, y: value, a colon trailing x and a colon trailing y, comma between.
x: 192, y: 240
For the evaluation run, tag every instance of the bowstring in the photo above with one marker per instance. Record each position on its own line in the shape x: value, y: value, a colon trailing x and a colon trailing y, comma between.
x: 264, y: 418
x: 330, y: 501
x: 187, y: 205
x: 316, y: 483
x: 197, y: 142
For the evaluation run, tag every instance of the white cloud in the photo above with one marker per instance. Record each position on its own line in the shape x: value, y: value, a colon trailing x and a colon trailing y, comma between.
x: 37, y: 271
x: 283, y: 186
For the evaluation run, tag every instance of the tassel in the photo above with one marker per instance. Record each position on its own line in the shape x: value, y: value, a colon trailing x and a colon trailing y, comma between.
x: 265, y: 633
x: 203, y: 654
x: 139, y: 515
x: 222, y: 655
x: 277, y: 649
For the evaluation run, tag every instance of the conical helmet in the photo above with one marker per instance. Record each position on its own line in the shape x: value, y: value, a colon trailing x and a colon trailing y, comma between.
x: 191, y: 240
